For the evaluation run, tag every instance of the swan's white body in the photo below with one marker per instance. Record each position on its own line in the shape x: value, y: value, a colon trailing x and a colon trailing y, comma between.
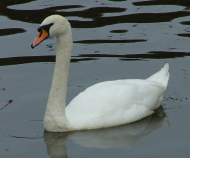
x: 104, y: 104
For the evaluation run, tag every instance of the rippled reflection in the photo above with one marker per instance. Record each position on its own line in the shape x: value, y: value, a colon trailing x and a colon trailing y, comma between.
x: 99, y: 17
x: 87, y: 57
x: 96, y: 14
x: 9, y: 31
x: 117, y: 137
x: 163, y: 2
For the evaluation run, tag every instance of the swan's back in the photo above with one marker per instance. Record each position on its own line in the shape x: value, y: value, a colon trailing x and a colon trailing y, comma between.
x: 118, y: 102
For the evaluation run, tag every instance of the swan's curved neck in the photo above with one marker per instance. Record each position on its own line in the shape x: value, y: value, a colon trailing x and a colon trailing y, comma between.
x: 54, y: 119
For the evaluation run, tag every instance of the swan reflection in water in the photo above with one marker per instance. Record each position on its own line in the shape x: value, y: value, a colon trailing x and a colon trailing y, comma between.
x: 116, y: 137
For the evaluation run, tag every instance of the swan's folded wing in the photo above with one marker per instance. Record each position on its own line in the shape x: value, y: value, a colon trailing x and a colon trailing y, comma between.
x: 113, y: 103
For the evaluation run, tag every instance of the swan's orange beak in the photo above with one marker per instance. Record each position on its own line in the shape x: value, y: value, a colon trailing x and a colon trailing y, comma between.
x: 42, y: 35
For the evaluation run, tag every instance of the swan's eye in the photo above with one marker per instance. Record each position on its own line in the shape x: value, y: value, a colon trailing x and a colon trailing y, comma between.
x: 45, y: 27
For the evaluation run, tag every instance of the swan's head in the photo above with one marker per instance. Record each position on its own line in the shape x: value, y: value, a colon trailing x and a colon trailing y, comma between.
x: 52, y: 26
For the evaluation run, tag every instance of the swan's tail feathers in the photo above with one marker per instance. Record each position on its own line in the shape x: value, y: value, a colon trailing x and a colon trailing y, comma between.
x: 161, y: 76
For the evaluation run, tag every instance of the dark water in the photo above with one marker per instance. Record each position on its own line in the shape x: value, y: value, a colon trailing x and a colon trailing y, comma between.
x: 112, y: 40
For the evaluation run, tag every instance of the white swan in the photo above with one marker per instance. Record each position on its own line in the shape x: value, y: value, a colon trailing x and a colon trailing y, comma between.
x: 104, y: 104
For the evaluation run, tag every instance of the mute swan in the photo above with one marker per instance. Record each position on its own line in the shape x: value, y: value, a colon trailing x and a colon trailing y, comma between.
x: 102, y: 105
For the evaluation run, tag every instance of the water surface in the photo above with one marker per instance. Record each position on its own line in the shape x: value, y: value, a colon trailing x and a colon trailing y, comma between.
x: 112, y: 40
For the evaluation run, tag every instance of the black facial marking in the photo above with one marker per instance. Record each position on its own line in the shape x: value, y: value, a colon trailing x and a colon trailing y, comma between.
x: 45, y: 27
x: 40, y: 33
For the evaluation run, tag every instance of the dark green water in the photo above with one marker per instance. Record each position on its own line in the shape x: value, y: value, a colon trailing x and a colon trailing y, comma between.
x: 112, y: 40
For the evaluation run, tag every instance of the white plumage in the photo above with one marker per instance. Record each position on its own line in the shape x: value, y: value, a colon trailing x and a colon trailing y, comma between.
x: 118, y: 102
x: 104, y: 104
